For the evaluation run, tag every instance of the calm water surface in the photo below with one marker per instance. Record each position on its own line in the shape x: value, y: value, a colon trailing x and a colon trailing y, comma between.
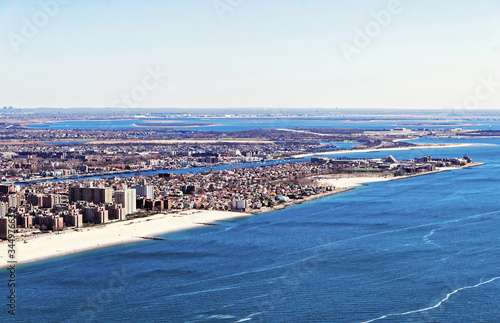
x: 425, y: 249
x: 240, y: 124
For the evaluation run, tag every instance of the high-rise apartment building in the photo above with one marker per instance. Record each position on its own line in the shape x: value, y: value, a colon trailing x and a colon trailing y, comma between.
x: 95, y: 214
x: 127, y: 198
x: 4, y: 226
x: 96, y: 195
x: 51, y: 200
x: 4, y: 208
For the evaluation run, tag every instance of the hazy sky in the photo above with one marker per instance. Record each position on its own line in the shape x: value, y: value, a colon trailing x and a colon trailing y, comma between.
x: 250, y: 53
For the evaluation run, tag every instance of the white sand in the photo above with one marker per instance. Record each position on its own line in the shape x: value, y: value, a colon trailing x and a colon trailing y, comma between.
x: 68, y: 242
x: 347, y: 151
x: 346, y: 182
x: 343, y: 181
x: 53, y: 245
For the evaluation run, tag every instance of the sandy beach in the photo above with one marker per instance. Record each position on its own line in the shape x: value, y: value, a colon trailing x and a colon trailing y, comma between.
x: 344, y: 181
x: 345, y: 151
x: 51, y: 245
x: 67, y: 242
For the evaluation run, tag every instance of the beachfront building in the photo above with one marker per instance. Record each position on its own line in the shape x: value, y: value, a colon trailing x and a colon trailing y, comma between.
x: 24, y: 221
x: 127, y: 198
x: 74, y: 220
x: 239, y: 205
x: 4, y: 208
x: 4, y: 227
x: 95, y: 214
x: 54, y: 223
x: 116, y: 212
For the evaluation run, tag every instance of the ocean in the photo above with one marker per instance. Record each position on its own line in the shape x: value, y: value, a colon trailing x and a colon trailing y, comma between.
x: 423, y: 249
x: 242, y: 124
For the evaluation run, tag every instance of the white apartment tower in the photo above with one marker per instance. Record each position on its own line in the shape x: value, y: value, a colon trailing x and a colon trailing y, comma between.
x: 127, y: 198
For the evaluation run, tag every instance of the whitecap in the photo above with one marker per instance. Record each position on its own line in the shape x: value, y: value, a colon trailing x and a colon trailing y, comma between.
x: 435, y: 306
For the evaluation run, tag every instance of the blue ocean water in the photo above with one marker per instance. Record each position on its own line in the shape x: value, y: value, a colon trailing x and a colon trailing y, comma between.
x: 222, y: 124
x: 241, y: 124
x: 424, y: 249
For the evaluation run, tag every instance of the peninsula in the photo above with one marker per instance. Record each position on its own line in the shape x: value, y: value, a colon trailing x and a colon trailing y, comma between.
x: 69, y: 217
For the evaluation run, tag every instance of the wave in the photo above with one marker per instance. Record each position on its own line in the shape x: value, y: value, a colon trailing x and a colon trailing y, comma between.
x: 435, y: 306
x: 201, y: 318
x: 395, y: 230
x: 249, y: 317
x: 427, y: 236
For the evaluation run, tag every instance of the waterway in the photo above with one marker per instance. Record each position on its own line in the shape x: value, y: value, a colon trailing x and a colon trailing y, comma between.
x: 242, y: 124
x: 423, y: 249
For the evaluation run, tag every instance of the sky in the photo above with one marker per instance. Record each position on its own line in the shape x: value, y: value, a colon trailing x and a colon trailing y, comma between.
x: 390, y: 54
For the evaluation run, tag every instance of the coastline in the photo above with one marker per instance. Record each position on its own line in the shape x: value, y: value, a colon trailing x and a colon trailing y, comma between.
x: 368, y: 150
x: 355, y: 181
x: 72, y: 241
x: 344, y: 183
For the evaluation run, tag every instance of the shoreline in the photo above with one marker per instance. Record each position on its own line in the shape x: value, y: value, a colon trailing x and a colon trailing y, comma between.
x: 368, y: 150
x: 71, y: 241
x: 356, y: 181
x: 348, y: 183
